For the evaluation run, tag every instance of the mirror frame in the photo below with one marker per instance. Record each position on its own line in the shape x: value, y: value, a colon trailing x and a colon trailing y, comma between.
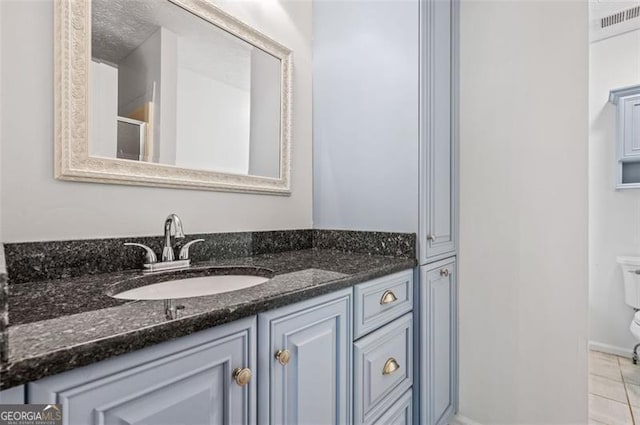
x: 72, y: 53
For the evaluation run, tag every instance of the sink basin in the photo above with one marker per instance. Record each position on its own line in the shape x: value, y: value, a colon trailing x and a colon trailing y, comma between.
x: 191, y: 287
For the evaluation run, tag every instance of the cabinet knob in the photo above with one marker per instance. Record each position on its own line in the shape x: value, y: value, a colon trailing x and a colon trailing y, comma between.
x: 444, y: 272
x: 390, y: 366
x: 242, y: 376
x: 283, y: 356
x: 388, y: 297
x: 431, y: 237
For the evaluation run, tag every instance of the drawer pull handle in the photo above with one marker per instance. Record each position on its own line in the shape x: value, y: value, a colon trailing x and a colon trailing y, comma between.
x: 388, y: 297
x: 390, y: 366
x: 444, y: 272
x: 242, y: 376
x: 283, y: 356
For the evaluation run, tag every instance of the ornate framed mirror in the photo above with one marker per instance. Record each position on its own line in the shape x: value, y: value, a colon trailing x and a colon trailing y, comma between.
x: 171, y: 93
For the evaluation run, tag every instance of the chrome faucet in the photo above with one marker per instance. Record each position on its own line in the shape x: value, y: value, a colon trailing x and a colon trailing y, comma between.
x: 169, y: 261
x: 167, y: 249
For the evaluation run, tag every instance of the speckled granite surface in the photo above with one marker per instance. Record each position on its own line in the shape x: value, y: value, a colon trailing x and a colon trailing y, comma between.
x: 61, y: 324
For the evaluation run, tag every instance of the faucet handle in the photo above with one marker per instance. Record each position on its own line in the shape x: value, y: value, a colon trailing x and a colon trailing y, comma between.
x: 184, y: 251
x: 150, y: 257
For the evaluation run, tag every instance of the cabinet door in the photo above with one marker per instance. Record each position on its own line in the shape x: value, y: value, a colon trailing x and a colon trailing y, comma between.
x: 188, y: 381
x: 631, y: 129
x: 312, y: 386
x: 438, y: 343
x: 438, y: 158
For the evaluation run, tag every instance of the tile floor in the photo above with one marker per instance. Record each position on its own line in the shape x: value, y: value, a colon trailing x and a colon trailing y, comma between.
x: 614, y: 390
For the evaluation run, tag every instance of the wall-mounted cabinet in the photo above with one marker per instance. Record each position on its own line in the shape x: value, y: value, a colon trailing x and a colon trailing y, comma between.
x: 627, y: 101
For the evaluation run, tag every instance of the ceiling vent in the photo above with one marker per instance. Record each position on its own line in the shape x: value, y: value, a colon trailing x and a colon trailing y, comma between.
x: 614, y: 24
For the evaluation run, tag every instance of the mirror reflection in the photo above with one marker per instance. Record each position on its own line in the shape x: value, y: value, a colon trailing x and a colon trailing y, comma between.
x: 169, y: 87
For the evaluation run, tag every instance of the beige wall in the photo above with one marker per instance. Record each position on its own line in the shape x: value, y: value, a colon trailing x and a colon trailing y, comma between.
x: 35, y: 206
x: 523, y: 230
x: 614, y: 215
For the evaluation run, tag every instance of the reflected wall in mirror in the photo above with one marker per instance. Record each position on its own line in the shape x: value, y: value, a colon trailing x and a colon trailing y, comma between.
x: 178, y: 93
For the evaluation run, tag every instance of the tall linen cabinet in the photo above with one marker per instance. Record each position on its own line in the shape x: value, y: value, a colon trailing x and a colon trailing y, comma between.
x: 385, y: 91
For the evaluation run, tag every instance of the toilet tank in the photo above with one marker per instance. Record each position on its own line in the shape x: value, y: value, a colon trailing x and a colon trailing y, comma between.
x: 631, y: 276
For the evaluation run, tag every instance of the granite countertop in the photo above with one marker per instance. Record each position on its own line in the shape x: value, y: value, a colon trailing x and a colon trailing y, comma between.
x: 62, y: 324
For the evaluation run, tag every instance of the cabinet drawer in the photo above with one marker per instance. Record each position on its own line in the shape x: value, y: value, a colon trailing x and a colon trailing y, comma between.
x: 401, y: 413
x: 380, y: 301
x: 376, y: 384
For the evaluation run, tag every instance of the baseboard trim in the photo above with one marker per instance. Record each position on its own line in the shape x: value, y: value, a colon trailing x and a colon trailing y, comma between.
x: 463, y: 420
x: 611, y: 349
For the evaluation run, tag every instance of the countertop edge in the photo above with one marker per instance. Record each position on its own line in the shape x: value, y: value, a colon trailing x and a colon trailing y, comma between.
x: 73, y: 357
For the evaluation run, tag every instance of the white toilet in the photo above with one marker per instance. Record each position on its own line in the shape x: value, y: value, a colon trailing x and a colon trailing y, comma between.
x: 631, y: 275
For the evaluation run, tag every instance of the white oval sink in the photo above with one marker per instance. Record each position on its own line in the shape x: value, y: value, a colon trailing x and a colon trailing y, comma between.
x: 191, y: 287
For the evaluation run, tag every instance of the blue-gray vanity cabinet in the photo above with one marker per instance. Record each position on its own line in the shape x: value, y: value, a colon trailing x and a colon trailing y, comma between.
x: 188, y: 381
x: 438, y: 342
x: 310, y: 382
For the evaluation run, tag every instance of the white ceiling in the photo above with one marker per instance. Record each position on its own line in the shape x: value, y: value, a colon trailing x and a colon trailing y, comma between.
x: 119, y: 26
